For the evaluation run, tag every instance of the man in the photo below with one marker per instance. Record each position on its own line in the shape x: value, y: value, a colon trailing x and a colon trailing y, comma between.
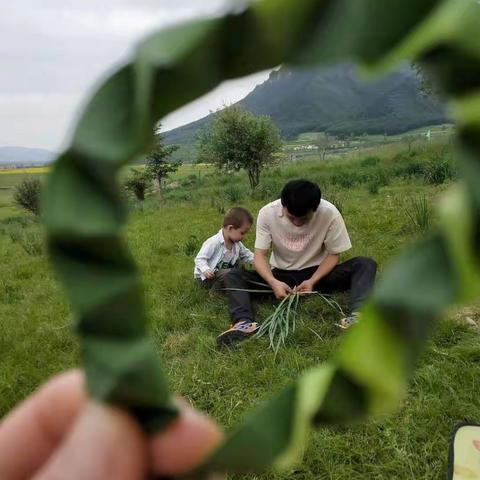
x: 306, y: 236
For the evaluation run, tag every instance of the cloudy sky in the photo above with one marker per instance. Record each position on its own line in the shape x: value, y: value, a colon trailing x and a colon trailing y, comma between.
x: 53, y: 52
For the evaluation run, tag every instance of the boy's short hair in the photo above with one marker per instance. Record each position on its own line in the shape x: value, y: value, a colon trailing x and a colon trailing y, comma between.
x: 237, y: 216
x: 300, y: 197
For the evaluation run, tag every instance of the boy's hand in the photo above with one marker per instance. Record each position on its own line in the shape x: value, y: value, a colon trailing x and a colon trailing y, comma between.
x: 281, y: 289
x: 209, y: 274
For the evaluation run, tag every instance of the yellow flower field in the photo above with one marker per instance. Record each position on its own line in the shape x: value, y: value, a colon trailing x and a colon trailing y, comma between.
x: 31, y: 170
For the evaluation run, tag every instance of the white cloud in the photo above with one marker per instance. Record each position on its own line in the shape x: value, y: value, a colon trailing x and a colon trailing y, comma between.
x: 37, y: 120
x: 54, y: 52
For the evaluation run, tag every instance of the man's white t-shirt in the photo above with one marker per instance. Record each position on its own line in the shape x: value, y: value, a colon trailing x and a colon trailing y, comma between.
x: 295, y: 248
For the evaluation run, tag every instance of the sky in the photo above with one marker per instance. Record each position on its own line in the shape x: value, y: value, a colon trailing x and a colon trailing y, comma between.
x: 53, y: 53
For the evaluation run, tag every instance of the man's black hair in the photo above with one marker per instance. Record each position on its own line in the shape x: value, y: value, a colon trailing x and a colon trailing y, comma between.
x: 300, y: 197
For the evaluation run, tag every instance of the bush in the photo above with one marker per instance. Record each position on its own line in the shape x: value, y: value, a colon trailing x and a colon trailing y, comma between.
x: 414, y: 169
x: 217, y: 200
x: 269, y: 189
x: 234, y: 193
x: 179, y: 196
x: 138, y: 183
x: 191, y: 246
x: 27, y: 195
x: 369, y: 162
x: 30, y: 241
x: 337, y: 201
x: 374, y: 187
x: 345, y: 179
x: 438, y: 170
x: 419, y: 213
x: 190, y: 180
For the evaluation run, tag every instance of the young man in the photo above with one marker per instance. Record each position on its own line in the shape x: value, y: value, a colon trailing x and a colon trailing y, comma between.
x: 306, y: 236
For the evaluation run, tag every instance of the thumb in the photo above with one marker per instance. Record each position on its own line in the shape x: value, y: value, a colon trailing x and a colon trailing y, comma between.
x: 103, y: 443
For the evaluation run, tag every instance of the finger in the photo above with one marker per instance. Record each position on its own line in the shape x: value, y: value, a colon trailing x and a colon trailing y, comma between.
x: 105, y: 442
x: 185, y: 443
x: 37, y: 426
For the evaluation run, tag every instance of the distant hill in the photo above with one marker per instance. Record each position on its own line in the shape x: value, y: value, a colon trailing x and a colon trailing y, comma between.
x: 337, y: 101
x: 21, y: 156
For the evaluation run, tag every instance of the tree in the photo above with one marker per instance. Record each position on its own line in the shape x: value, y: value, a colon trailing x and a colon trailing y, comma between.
x: 138, y: 183
x: 157, y: 165
x: 239, y: 140
x: 27, y: 195
x: 322, y: 142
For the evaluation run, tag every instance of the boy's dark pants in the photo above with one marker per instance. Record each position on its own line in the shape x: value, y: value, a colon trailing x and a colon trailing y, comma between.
x: 356, y: 276
x: 217, y: 283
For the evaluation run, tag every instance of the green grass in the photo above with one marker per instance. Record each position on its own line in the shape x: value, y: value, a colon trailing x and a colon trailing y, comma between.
x: 36, y: 341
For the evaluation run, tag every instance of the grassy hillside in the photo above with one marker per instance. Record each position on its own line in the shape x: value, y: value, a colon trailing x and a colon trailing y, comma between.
x: 376, y: 194
x: 336, y: 100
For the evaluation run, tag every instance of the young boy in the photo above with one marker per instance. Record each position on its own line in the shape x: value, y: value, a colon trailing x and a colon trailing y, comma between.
x: 220, y: 254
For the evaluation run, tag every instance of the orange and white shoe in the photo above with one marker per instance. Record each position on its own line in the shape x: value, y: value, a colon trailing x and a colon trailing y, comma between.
x: 237, y: 333
x: 347, y: 322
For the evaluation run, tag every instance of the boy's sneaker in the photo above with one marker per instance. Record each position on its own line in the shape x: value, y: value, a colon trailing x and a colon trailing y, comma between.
x: 347, y: 322
x: 236, y: 333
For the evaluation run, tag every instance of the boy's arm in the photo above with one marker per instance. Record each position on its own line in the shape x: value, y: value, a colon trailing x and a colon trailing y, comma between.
x: 201, y: 260
x: 246, y: 256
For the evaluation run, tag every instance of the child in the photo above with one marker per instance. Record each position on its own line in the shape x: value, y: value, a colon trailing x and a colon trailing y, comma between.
x: 221, y: 253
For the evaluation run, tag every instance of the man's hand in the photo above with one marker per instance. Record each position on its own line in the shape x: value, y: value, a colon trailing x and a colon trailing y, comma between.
x: 281, y: 289
x: 209, y: 275
x: 305, y: 287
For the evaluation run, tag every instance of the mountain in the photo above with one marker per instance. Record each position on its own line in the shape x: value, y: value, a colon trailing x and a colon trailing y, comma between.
x: 23, y: 156
x: 337, y: 101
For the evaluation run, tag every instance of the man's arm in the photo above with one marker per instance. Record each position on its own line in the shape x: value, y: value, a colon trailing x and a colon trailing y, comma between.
x: 262, y: 266
x: 323, y: 270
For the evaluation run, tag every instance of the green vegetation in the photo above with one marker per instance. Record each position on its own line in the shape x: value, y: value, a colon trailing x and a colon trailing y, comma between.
x: 336, y: 100
x: 27, y: 195
x: 158, y: 165
x: 138, y: 183
x: 36, y: 339
x: 238, y: 140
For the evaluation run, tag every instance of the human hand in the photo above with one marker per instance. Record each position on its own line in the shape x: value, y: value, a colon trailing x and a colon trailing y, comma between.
x: 305, y: 287
x: 281, y: 289
x: 209, y: 275
x: 58, y: 433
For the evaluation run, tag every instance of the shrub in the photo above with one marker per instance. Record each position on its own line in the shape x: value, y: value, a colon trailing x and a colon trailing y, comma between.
x: 269, y: 189
x: 179, y: 196
x: 345, y: 179
x: 27, y: 195
x: 337, y: 201
x: 374, y: 187
x: 419, y: 213
x: 369, y: 162
x: 217, y: 200
x: 190, y: 180
x: 438, y: 170
x: 191, y: 246
x: 234, y: 193
x: 138, y: 183
x: 30, y: 241
x: 414, y: 169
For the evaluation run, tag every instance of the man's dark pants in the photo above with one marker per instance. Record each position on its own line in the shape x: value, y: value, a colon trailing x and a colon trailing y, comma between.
x: 356, y: 276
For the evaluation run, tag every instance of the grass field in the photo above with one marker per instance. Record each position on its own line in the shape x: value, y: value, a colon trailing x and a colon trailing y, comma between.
x: 374, y: 196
